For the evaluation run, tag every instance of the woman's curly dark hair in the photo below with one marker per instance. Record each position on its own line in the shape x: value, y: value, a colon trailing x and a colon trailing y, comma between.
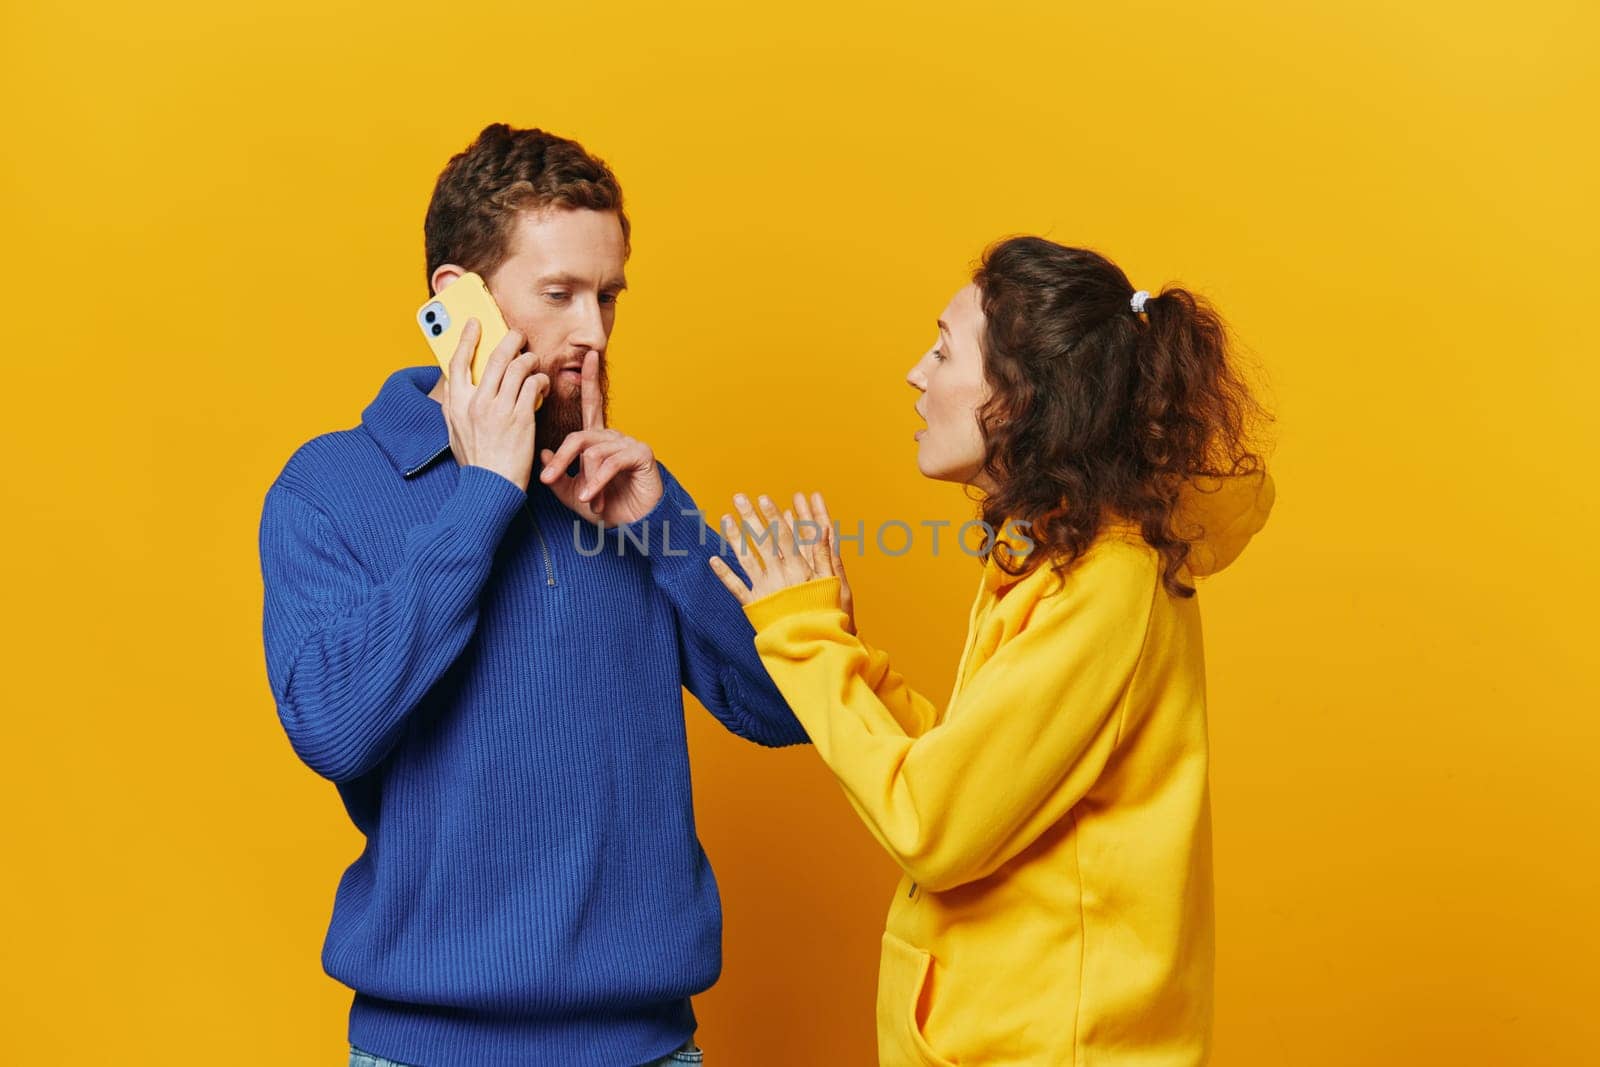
x: 1098, y: 412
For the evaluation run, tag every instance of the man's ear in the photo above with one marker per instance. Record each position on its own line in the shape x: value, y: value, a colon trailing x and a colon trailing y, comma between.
x: 444, y: 274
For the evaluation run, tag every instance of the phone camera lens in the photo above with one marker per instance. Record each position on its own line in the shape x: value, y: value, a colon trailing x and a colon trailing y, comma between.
x: 437, y: 329
x: 430, y: 316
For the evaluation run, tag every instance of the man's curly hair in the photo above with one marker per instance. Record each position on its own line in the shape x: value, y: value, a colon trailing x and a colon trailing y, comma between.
x: 1097, y: 412
x: 481, y: 190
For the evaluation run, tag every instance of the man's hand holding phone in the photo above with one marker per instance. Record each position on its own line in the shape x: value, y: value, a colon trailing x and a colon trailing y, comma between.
x: 492, y: 423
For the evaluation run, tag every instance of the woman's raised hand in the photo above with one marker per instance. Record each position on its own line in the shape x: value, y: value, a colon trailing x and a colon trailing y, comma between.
x: 785, y: 551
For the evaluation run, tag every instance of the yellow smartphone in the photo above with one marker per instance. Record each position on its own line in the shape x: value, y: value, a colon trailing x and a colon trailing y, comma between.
x: 444, y: 317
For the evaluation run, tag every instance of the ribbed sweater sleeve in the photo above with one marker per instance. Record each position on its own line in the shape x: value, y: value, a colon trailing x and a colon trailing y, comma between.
x: 716, y: 643
x: 348, y: 657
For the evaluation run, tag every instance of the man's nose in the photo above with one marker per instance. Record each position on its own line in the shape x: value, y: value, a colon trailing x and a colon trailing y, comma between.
x: 590, y: 330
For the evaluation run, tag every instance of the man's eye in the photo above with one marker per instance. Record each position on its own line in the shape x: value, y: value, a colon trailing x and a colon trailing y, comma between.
x: 608, y: 298
x: 557, y: 295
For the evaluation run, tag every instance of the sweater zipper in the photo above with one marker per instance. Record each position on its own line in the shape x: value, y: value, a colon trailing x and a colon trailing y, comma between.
x: 425, y: 462
x: 549, y: 570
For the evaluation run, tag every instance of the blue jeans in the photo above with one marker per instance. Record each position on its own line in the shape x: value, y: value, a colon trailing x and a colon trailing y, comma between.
x: 689, y: 1053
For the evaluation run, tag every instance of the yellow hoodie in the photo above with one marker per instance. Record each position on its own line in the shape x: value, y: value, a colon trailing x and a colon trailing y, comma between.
x: 1053, y: 822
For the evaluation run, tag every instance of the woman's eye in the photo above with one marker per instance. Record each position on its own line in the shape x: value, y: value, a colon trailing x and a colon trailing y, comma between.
x: 938, y: 355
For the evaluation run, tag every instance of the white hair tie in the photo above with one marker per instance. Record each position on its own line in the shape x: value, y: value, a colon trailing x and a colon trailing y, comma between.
x: 1137, y: 303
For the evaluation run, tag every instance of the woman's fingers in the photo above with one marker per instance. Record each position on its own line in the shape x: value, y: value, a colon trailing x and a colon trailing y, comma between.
x: 781, y: 549
x: 787, y: 551
x: 734, y: 531
x: 754, y: 538
x: 820, y: 509
x: 802, y: 550
x: 847, y: 599
x: 813, y: 536
x: 740, y: 591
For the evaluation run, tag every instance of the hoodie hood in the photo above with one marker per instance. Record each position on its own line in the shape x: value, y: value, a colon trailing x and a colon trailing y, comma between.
x: 1219, y: 515
x: 1227, y: 512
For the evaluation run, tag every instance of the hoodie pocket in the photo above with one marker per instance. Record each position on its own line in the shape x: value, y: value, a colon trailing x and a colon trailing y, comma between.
x: 902, y: 976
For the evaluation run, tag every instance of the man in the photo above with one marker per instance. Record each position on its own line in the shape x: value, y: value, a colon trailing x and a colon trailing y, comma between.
x: 500, y: 706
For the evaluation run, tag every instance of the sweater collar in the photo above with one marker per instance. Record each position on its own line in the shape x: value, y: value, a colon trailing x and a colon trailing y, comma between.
x: 408, y: 424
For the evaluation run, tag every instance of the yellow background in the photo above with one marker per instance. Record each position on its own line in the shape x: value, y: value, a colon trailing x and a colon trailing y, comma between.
x: 212, y: 219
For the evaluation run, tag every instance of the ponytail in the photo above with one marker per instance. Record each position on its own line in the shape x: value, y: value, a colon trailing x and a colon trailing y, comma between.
x: 1189, y: 398
x: 1192, y: 412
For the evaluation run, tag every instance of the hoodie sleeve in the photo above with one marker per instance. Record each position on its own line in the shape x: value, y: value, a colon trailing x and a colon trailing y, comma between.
x: 1024, y: 740
x: 349, y: 657
x: 912, y: 712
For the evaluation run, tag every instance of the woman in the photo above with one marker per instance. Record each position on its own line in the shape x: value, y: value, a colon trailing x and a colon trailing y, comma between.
x: 1053, y: 821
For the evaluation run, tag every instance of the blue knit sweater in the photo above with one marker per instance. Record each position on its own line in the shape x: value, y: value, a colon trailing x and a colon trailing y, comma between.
x: 501, y: 708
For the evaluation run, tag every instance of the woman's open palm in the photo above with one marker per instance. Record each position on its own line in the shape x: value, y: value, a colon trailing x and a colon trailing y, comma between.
x: 786, y: 550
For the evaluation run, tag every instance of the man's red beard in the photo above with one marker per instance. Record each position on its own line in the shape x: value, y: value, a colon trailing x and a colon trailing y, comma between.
x: 562, y: 414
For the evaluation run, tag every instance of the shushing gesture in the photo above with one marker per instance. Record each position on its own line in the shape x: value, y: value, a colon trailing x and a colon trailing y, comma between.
x: 618, y: 480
